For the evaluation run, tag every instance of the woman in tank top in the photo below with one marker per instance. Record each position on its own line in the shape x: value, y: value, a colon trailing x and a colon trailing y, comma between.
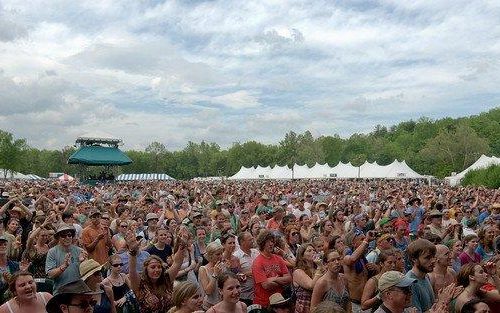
x: 120, y: 285
x: 332, y: 286
x: 26, y: 298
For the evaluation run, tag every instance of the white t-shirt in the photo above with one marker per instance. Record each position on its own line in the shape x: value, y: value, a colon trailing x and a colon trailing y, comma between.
x: 298, y: 213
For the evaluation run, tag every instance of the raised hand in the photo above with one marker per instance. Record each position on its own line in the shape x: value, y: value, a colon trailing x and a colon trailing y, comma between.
x: 67, y: 259
x: 24, y: 265
x: 83, y: 255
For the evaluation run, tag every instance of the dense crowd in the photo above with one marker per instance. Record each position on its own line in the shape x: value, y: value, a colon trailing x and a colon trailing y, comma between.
x: 229, y: 247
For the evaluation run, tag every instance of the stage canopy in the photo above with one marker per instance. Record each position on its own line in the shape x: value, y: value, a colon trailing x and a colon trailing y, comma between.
x: 99, y: 155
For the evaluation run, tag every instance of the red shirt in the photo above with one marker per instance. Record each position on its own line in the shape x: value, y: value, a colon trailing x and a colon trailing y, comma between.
x: 272, y: 224
x: 262, y: 269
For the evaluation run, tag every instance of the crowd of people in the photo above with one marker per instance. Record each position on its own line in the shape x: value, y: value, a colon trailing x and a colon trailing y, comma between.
x: 249, y: 246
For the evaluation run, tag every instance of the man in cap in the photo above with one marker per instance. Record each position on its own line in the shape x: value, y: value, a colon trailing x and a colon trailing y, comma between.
x: 96, y: 239
x: 278, y: 212
x: 264, y: 204
x: 395, y: 291
x: 152, y: 222
x: 63, y: 260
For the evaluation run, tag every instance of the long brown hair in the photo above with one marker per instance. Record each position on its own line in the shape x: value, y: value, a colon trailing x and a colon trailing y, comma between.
x: 163, y: 284
x: 301, y: 263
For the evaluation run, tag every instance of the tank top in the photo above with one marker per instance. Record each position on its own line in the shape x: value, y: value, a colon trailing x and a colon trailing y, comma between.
x: 39, y: 297
x: 120, y: 291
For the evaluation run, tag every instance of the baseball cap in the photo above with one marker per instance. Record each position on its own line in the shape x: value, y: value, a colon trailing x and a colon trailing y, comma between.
x: 394, y: 279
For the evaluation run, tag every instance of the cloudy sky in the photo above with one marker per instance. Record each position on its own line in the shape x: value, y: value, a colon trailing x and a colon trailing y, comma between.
x: 227, y: 71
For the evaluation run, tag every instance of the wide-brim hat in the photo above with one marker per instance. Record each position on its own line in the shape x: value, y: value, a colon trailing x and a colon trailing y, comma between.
x: 88, y: 268
x: 64, y: 227
x: 413, y: 200
x: 277, y: 299
x: 77, y: 287
x: 435, y: 213
x: 151, y: 216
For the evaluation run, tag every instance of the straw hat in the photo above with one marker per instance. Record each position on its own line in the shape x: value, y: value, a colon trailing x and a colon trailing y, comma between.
x: 88, y: 268
x: 277, y: 299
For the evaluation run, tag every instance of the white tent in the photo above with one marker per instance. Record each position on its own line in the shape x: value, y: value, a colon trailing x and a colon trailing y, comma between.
x: 320, y: 171
x: 371, y: 170
x: 145, y: 176
x: 280, y: 172
x: 483, y: 162
x: 395, y: 170
x: 344, y: 170
x: 244, y: 173
x: 301, y: 171
x: 262, y: 172
x: 400, y: 170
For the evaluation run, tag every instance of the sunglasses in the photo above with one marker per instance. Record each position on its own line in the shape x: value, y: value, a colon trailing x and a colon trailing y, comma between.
x: 84, y: 305
x: 117, y: 264
x: 66, y: 235
x: 123, y: 225
x: 295, y: 234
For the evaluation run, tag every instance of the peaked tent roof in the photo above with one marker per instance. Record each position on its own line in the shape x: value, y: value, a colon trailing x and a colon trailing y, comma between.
x: 98, y: 155
x: 483, y: 162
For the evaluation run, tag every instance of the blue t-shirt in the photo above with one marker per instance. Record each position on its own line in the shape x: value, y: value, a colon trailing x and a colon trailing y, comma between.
x: 55, y: 258
x: 422, y: 293
x: 417, y: 220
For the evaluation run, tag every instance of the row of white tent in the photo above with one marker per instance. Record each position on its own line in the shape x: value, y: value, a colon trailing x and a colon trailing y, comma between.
x: 483, y: 162
x: 7, y: 174
x: 394, y: 170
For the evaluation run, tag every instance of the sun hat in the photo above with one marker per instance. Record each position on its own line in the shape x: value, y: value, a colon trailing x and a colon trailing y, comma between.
x: 394, y: 279
x: 151, y: 216
x: 64, y: 227
x: 77, y: 287
x: 88, y: 268
x: 435, y: 213
x: 277, y: 299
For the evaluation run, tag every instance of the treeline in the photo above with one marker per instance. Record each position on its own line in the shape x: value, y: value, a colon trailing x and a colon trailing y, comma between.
x: 435, y: 147
x: 488, y: 177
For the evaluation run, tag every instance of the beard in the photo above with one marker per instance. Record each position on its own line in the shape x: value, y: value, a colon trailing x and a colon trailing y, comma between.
x: 424, y: 269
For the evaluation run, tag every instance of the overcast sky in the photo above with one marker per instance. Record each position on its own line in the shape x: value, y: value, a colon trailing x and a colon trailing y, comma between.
x: 227, y: 71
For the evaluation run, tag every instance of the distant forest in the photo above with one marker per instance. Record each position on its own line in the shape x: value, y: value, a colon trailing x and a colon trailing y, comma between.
x: 435, y: 147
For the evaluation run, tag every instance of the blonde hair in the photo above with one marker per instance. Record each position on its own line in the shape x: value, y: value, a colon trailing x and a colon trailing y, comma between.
x: 182, y: 292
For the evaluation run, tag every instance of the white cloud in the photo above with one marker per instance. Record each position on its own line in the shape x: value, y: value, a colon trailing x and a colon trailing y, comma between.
x: 230, y: 71
x: 237, y: 100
